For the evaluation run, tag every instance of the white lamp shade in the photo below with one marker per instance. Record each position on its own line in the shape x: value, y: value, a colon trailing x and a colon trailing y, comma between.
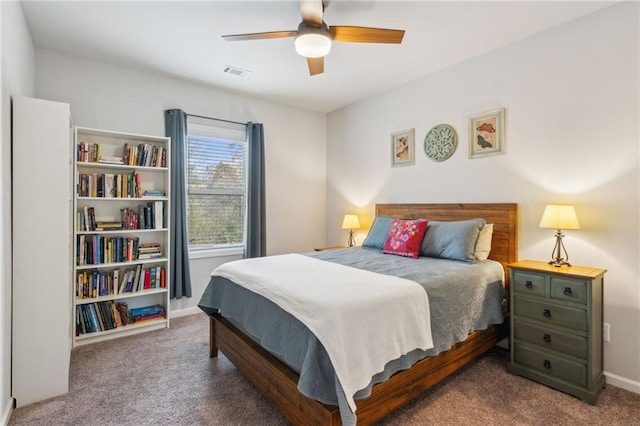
x: 350, y: 222
x: 312, y: 45
x: 559, y: 217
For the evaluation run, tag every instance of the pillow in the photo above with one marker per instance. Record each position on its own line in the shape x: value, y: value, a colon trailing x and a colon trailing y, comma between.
x: 483, y: 245
x: 452, y: 240
x: 405, y: 237
x: 378, y: 233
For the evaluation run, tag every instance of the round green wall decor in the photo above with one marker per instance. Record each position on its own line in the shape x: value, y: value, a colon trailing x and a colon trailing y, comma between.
x: 441, y: 142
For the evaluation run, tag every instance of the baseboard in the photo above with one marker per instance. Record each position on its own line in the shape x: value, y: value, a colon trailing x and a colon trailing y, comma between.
x: 184, y: 312
x: 6, y: 414
x: 622, y: 382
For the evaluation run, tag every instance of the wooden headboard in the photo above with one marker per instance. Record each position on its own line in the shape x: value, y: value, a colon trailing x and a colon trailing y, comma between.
x: 504, y: 216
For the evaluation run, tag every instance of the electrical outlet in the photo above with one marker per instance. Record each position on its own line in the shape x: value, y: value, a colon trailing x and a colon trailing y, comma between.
x: 606, y: 330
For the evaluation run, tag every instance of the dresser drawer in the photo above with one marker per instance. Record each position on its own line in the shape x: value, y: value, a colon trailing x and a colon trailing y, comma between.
x: 571, y: 290
x: 562, y: 316
x: 527, y: 283
x: 547, y: 338
x: 572, y: 371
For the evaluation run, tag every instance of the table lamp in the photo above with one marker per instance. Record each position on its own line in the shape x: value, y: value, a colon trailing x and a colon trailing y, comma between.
x: 350, y: 222
x: 559, y: 217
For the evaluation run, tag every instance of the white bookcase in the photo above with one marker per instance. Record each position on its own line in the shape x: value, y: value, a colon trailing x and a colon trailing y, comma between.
x: 117, y: 228
x: 42, y: 249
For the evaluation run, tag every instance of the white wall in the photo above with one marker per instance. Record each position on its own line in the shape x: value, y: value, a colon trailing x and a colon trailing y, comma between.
x: 572, y: 102
x: 17, y: 80
x: 113, y: 98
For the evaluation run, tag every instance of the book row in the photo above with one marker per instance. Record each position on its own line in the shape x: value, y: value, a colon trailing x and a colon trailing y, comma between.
x: 98, y: 249
x: 88, y: 152
x: 148, y: 155
x: 149, y: 216
x: 103, y: 316
x: 144, y: 155
x: 94, y: 283
x: 109, y: 185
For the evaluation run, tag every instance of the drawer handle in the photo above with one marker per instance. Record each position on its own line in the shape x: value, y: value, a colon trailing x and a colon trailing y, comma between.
x: 547, y: 338
x: 567, y: 291
x: 547, y: 364
x: 528, y: 284
x: 547, y: 313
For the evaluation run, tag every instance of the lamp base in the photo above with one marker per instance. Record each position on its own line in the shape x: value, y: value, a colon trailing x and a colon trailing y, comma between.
x: 351, y: 242
x: 556, y: 259
x: 559, y: 262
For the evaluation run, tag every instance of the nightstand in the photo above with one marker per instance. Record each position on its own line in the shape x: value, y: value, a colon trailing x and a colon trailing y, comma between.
x: 329, y: 248
x: 556, y: 327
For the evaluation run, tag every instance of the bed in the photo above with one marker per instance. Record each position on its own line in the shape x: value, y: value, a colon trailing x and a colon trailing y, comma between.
x: 275, y: 376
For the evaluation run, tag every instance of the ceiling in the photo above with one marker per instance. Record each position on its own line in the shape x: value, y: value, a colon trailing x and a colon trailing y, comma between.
x: 183, y: 39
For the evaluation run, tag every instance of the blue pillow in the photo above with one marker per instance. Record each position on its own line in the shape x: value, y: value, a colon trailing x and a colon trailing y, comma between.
x: 452, y: 240
x: 377, y: 235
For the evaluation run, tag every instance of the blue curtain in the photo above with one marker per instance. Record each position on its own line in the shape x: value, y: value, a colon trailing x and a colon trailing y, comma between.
x: 256, y: 245
x: 175, y: 126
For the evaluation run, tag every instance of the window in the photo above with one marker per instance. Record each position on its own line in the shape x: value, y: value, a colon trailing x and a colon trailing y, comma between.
x: 216, y: 184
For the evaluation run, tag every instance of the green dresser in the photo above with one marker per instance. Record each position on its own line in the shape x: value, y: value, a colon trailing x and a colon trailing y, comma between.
x: 556, y: 326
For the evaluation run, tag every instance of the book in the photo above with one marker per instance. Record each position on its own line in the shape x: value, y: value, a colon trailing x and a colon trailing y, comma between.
x: 131, y: 276
x: 110, y: 160
x: 80, y: 325
x: 96, y: 308
x: 94, y: 317
x: 138, y: 184
x: 115, y: 314
x: 108, y: 226
x: 86, y: 319
x: 150, y: 256
x: 147, y: 310
x: 146, y: 318
x: 155, y: 193
x: 142, y: 218
x: 125, y: 155
x: 147, y: 278
x: 158, y: 214
x: 109, y: 185
x: 136, y: 281
x: 125, y: 314
x: 123, y: 282
x: 109, y: 313
x: 148, y: 220
x: 154, y: 156
x: 116, y: 281
x: 92, y: 218
x: 106, y: 324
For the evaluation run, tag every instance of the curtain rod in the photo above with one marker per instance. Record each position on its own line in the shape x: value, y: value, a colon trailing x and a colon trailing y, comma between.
x: 218, y: 119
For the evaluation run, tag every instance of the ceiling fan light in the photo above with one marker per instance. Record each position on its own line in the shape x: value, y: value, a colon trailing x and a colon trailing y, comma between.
x: 313, y: 45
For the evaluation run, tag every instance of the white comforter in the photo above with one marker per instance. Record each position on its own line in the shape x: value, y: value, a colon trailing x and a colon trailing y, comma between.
x: 363, y: 319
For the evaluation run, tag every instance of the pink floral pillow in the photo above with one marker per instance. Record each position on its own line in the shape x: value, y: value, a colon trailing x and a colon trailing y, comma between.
x: 405, y: 237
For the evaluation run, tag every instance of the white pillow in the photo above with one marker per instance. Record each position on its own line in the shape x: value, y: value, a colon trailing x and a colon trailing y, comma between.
x: 483, y: 244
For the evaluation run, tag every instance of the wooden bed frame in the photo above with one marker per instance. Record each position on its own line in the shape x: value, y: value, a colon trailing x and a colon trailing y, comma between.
x: 278, y: 383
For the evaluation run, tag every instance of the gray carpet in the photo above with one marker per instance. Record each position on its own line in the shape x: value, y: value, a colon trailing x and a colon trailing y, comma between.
x: 166, y: 378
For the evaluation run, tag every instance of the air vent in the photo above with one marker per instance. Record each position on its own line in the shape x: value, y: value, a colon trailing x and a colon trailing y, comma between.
x: 237, y: 72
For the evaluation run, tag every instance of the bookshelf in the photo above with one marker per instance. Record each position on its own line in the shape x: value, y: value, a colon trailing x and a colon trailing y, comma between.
x: 121, y: 234
x: 42, y: 249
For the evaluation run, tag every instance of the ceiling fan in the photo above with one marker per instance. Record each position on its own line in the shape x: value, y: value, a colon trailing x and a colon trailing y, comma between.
x: 313, y: 36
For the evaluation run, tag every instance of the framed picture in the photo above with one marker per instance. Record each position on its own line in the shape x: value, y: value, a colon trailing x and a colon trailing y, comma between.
x: 402, y: 148
x: 486, y: 134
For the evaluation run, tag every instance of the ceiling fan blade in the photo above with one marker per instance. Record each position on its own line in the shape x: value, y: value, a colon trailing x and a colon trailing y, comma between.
x: 260, y: 36
x: 366, y: 34
x: 311, y: 12
x: 316, y: 65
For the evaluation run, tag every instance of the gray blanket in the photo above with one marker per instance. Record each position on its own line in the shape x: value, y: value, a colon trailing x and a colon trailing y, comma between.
x: 463, y: 297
